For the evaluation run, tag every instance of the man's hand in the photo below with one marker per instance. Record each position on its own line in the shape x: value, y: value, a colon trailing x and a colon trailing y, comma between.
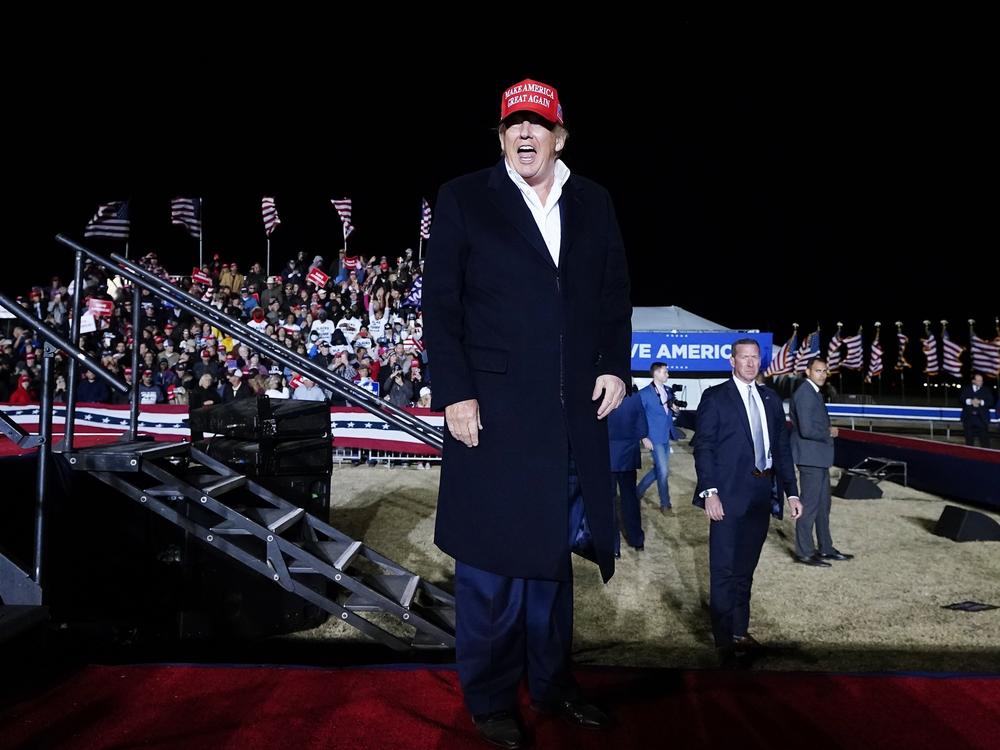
x: 796, y: 506
x: 462, y: 419
x: 647, y: 443
x: 713, y: 507
x: 834, y: 431
x: 614, y: 392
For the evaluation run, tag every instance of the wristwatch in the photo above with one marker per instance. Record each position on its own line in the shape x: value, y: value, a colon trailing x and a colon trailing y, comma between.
x: 705, y: 494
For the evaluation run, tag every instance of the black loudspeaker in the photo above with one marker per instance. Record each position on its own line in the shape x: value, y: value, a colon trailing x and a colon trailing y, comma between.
x: 961, y: 525
x: 856, y: 487
x: 260, y: 458
x: 263, y: 419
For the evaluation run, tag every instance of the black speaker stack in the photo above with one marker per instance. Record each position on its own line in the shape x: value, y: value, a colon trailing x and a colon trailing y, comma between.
x: 281, y: 444
x: 856, y: 487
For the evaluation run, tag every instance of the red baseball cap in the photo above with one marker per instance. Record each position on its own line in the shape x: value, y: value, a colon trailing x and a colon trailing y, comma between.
x: 532, y: 96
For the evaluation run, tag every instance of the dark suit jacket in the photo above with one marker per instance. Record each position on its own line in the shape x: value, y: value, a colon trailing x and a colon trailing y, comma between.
x: 980, y: 414
x: 626, y: 427
x: 723, y: 447
x: 811, y: 441
x: 505, y: 326
x: 660, y: 422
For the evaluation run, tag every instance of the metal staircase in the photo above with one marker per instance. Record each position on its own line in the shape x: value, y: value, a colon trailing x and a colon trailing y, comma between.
x: 236, y: 515
x: 281, y: 541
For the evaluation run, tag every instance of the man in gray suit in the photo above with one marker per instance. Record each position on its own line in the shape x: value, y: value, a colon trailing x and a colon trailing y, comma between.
x: 812, y: 451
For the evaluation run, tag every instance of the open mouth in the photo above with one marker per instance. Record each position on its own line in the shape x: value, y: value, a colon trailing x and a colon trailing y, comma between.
x: 526, y: 154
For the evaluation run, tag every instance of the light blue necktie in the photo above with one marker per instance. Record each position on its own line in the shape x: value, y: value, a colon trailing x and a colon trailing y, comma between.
x: 757, y: 432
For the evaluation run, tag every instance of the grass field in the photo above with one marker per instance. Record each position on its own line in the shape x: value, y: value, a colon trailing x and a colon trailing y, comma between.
x: 880, y: 611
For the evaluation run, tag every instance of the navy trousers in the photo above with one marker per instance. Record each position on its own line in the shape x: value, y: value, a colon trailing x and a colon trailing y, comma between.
x: 508, y: 627
x: 631, y: 516
x: 734, y: 546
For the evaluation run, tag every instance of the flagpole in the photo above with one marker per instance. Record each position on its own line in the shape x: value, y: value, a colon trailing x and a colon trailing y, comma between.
x: 901, y: 358
x: 343, y: 227
x: 126, y: 249
x: 201, y: 232
x: 944, y: 330
x: 269, y: 255
x: 928, y: 334
x: 878, y: 337
x: 861, y: 372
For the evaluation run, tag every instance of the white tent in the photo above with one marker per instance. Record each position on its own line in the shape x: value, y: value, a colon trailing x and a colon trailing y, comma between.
x: 671, y: 318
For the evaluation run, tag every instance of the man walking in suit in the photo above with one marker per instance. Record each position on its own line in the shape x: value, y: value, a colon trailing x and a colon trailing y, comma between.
x: 740, y: 445
x: 658, y: 401
x: 528, y: 332
x: 812, y: 451
x: 626, y: 427
x: 976, y: 404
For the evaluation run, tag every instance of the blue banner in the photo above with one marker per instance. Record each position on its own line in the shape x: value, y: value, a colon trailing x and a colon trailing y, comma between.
x: 696, y: 351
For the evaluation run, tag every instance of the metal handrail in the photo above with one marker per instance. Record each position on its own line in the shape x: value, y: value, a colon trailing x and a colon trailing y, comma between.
x: 356, y: 395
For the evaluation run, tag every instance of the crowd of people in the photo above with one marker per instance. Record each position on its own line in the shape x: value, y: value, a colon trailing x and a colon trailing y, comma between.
x: 364, y: 324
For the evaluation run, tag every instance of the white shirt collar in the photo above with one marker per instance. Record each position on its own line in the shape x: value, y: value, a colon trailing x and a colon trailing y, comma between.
x: 562, y: 174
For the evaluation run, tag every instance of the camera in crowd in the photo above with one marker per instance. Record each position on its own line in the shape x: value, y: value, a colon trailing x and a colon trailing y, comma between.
x: 678, y: 388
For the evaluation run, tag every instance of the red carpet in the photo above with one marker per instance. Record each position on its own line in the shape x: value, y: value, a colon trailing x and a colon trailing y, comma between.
x: 411, y: 709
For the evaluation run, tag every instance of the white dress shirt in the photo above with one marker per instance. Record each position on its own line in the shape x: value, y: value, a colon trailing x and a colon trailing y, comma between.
x: 546, y: 216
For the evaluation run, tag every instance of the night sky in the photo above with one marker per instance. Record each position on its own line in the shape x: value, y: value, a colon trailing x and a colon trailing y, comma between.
x: 840, y: 183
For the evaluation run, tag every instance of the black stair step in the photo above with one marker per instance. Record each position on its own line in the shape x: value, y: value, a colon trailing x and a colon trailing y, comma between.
x: 337, y: 554
x: 427, y: 641
x: 123, y: 457
x: 214, y: 484
x: 274, y: 520
x: 400, y: 589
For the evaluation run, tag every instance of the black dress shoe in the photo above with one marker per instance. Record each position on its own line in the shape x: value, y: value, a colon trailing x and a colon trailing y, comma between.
x: 576, y: 712
x: 836, y: 555
x: 745, y: 643
x: 500, y: 728
x: 730, y: 658
x: 639, y: 547
x: 814, y: 561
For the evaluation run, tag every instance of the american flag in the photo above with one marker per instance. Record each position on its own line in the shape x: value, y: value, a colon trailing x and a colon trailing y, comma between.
x: 781, y: 363
x: 270, y: 212
x: 952, y: 352
x: 875, y: 357
x: 833, y: 351
x: 855, y: 352
x: 111, y: 220
x: 425, y: 220
x: 186, y: 212
x: 903, y: 340
x: 808, y: 350
x: 412, y: 345
x: 344, y: 209
x: 985, y: 354
x: 929, y: 344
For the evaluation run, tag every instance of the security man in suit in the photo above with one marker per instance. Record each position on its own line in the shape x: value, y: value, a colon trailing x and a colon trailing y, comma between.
x: 977, y: 400
x: 812, y: 451
x: 740, y: 445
